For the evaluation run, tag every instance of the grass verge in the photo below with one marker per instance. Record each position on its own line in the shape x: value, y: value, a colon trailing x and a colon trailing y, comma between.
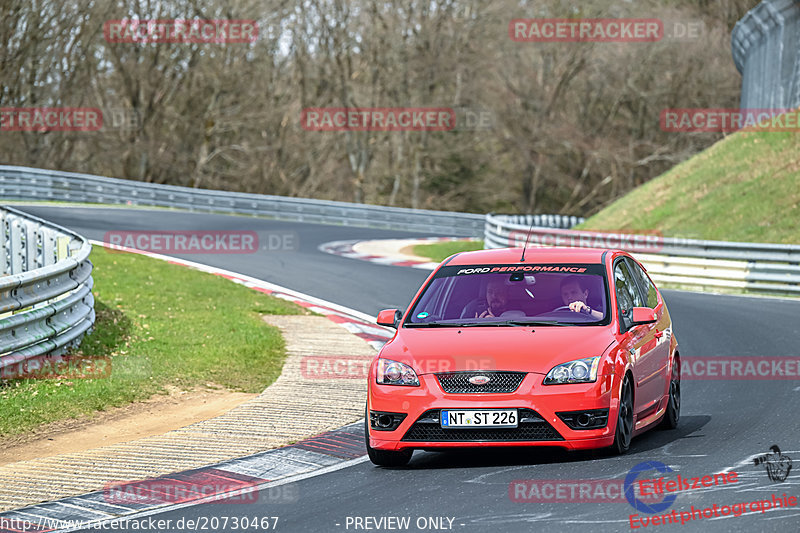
x: 442, y: 250
x: 744, y: 188
x: 162, y: 325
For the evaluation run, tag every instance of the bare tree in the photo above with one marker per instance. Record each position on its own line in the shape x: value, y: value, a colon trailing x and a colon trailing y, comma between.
x: 575, y: 125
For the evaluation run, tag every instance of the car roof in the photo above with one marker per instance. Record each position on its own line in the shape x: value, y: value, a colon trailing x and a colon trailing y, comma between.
x: 532, y: 255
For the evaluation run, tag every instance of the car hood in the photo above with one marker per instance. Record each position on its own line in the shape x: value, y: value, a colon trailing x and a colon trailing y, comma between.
x: 524, y: 349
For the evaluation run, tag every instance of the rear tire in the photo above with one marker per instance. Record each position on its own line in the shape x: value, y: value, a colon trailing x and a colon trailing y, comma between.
x: 385, y: 457
x: 673, y: 414
x: 624, y: 431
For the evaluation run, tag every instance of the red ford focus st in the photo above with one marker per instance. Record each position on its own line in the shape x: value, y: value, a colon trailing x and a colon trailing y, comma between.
x: 564, y: 347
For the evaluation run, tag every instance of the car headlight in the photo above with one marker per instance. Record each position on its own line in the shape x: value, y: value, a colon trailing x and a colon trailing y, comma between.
x: 396, y: 373
x: 578, y: 371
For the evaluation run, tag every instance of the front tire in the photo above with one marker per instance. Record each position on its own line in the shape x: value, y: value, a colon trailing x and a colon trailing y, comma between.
x: 624, y: 431
x: 385, y: 457
x: 673, y: 414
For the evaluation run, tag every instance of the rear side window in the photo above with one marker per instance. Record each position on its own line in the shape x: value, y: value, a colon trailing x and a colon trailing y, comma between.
x: 647, y: 287
x: 628, y: 295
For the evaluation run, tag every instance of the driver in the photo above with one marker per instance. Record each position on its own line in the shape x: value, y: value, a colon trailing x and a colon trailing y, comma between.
x: 574, y: 294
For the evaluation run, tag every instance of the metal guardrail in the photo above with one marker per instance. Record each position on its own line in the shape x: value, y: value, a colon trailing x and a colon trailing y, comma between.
x: 46, y: 303
x: 765, y: 51
x: 23, y: 183
x: 543, y: 221
x: 756, y: 267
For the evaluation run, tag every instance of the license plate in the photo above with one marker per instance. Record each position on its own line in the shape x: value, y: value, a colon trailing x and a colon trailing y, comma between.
x: 493, y: 418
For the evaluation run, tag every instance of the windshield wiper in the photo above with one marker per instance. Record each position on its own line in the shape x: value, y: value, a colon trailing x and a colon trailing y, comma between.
x: 533, y: 323
x: 484, y: 324
x: 457, y: 324
x: 432, y: 325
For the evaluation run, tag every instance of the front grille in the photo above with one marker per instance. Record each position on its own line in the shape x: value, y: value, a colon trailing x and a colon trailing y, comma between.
x: 458, y: 382
x: 532, y: 427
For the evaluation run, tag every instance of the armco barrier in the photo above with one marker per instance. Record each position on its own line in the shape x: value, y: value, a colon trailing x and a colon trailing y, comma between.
x: 770, y: 268
x: 766, y: 50
x: 22, y: 183
x: 756, y: 267
x: 46, y: 303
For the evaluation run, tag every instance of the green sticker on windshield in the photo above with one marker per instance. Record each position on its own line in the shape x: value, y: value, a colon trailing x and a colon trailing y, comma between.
x: 422, y: 315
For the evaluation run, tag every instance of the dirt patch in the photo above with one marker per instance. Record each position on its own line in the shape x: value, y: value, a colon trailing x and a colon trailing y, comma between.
x: 409, y: 251
x: 156, y: 416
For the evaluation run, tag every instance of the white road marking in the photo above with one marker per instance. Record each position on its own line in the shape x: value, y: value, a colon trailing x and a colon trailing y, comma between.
x: 244, y: 277
x: 96, y: 524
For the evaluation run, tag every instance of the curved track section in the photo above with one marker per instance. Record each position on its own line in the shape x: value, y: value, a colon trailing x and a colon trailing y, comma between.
x: 367, y: 288
x: 725, y: 425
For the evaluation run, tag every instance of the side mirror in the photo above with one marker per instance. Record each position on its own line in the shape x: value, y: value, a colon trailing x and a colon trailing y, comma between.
x: 643, y: 315
x: 389, y: 317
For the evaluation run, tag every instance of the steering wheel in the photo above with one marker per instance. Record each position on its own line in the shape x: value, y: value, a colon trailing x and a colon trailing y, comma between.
x: 562, y: 308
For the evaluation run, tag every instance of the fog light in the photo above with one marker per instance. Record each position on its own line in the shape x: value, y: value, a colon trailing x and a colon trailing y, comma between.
x: 590, y: 419
x: 382, y: 421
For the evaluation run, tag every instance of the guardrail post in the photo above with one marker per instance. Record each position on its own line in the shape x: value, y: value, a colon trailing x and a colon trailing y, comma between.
x: 15, y: 246
x: 5, y: 261
x: 48, y: 247
x: 31, y: 249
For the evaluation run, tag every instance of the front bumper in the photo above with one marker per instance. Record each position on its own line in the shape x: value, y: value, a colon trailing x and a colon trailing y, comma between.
x: 537, y: 404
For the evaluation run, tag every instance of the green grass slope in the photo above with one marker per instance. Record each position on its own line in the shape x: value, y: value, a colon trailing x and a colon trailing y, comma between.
x: 744, y: 188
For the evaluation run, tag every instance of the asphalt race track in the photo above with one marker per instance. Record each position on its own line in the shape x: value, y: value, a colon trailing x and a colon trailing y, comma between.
x: 724, y: 423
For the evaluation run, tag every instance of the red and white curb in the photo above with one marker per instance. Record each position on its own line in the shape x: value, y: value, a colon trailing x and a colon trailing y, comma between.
x: 265, y: 478
x: 356, y: 322
x: 386, y: 251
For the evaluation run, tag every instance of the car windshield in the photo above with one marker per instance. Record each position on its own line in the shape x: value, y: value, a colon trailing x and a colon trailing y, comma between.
x: 513, y: 295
